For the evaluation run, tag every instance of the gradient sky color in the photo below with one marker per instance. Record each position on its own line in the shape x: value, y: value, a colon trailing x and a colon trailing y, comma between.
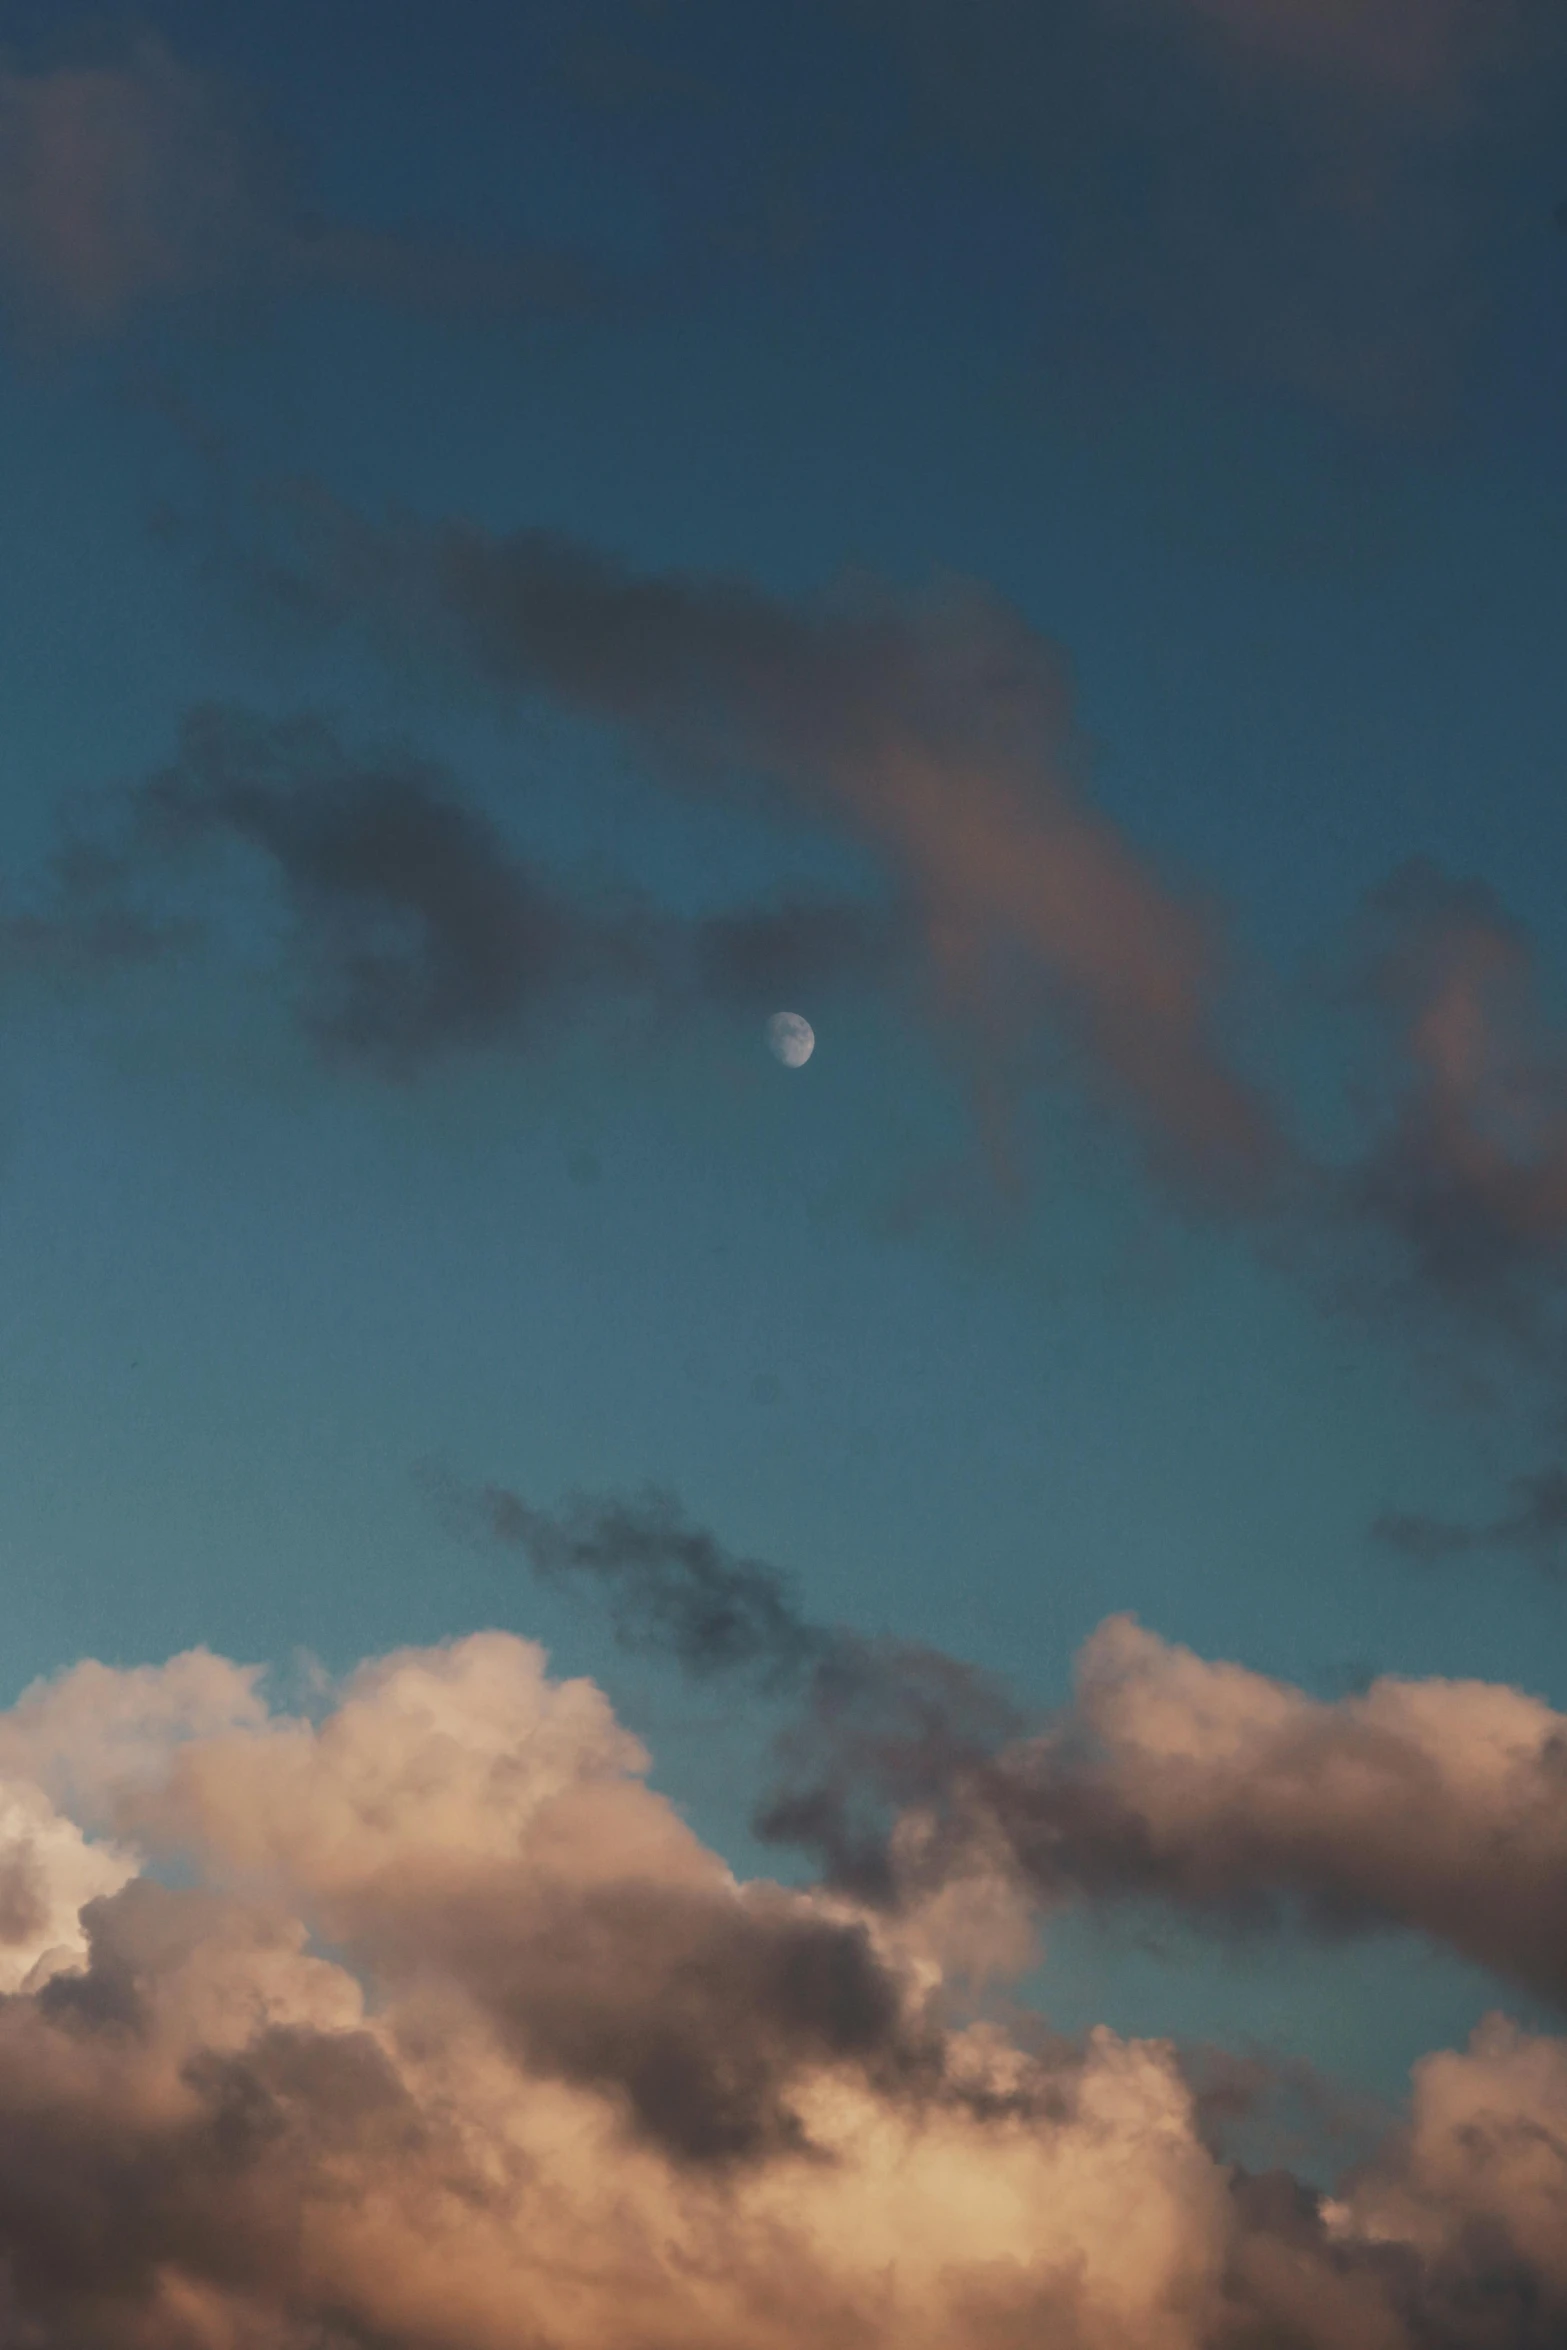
x: 1226, y: 347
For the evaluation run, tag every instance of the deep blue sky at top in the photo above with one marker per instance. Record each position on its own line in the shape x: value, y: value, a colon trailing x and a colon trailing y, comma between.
x: 1069, y: 300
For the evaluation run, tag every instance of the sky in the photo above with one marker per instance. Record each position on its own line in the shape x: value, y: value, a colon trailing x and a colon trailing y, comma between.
x: 652, y: 1697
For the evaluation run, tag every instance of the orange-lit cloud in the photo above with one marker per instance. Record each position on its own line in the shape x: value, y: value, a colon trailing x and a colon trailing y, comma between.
x: 1438, y: 1806
x: 453, y: 2034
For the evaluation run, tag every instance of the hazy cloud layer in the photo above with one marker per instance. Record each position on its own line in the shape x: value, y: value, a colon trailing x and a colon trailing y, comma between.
x: 1302, y: 195
x: 1404, y: 51
x: 453, y: 2037
x: 141, y: 179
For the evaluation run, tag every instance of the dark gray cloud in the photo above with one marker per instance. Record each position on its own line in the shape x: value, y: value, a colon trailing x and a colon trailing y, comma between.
x: 764, y: 956
x: 695, y: 2013
x: 83, y: 925
x: 1465, y: 1176
x: 417, y: 928
x: 672, y: 1587
x: 874, y: 1725
x: 1534, y: 1527
x: 937, y: 731
x: 414, y: 928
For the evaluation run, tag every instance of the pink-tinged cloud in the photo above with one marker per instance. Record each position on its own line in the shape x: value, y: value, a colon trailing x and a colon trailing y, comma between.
x: 1436, y: 1806
x: 1485, y: 2149
x: 937, y: 731
x: 1468, y: 1175
x: 144, y: 179
x: 428, y: 2049
x: 119, y: 183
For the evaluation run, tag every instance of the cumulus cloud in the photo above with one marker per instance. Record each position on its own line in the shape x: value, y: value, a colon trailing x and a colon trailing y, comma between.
x: 48, y: 1871
x: 562, y: 2077
x: 142, y: 178
x: 1434, y: 1806
x: 1437, y: 1807
x: 1483, y: 2155
x: 452, y: 2034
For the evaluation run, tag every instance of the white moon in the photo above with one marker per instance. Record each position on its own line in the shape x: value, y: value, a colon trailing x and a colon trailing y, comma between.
x: 791, y: 1038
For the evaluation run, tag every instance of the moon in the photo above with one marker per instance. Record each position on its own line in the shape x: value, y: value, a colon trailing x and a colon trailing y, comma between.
x: 791, y: 1039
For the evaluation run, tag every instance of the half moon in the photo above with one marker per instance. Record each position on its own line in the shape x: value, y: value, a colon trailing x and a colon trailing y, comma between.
x: 791, y: 1039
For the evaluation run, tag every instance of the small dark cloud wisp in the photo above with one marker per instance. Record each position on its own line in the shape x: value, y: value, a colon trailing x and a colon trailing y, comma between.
x: 1533, y: 1528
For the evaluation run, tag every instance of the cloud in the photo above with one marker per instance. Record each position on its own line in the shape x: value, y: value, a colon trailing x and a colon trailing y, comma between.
x: 936, y: 731
x: 120, y: 183
x: 1439, y: 1806
x: 48, y: 1871
x: 1468, y: 1177
x: 1482, y: 2157
x: 1296, y: 196
x: 414, y: 930
x: 83, y: 927
x: 1436, y: 1807
x: 1533, y: 1527
x: 453, y: 2034
x: 876, y: 1725
x: 563, y: 2074
x: 142, y: 179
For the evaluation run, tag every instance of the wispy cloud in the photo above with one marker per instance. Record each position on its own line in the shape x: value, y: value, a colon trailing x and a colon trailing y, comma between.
x: 937, y: 730
x: 143, y: 179
x: 1468, y: 1174
x: 1534, y: 1527
x: 413, y: 928
x: 1293, y: 195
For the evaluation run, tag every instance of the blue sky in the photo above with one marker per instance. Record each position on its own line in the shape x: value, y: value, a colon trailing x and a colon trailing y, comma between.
x: 1237, y: 371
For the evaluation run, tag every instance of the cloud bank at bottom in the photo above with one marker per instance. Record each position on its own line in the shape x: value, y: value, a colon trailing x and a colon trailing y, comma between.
x: 424, y: 2021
